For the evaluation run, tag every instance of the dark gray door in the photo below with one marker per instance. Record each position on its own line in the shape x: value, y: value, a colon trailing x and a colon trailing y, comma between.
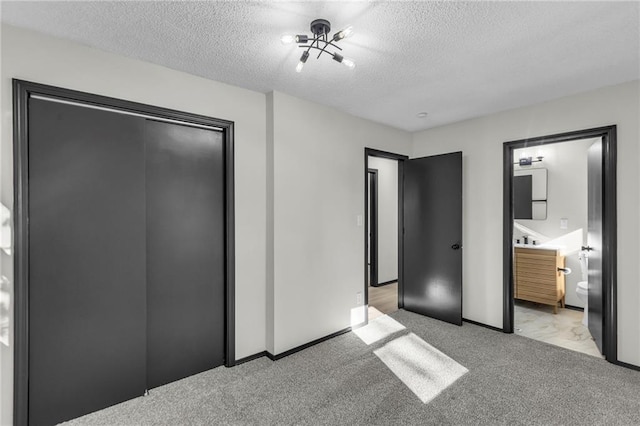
x: 594, y: 241
x: 185, y: 251
x: 433, y: 236
x: 87, y: 317
x: 373, y: 227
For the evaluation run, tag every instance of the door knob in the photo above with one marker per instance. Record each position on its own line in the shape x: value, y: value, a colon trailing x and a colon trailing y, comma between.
x: 456, y: 246
x: 587, y: 248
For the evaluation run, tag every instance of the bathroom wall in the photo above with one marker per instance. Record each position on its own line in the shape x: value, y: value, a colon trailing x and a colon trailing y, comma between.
x: 387, y: 218
x: 566, y: 165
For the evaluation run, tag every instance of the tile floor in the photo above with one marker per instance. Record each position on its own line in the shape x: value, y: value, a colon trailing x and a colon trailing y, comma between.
x: 563, y: 329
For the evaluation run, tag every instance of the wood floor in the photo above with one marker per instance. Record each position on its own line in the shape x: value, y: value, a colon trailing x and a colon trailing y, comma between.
x: 383, y: 300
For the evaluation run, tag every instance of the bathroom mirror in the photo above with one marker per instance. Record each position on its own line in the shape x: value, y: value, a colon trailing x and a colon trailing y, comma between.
x: 530, y: 194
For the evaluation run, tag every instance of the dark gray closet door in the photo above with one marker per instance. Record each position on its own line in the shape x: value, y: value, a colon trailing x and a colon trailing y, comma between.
x: 87, y: 315
x: 433, y: 236
x: 185, y: 251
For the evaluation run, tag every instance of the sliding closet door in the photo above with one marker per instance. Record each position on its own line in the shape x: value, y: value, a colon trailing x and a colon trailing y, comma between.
x: 185, y: 251
x: 87, y: 316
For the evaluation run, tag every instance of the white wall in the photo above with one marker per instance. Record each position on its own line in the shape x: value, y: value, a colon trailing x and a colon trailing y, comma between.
x: 387, y: 217
x: 29, y: 56
x: 566, y: 165
x: 318, y: 191
x: 481, y: 142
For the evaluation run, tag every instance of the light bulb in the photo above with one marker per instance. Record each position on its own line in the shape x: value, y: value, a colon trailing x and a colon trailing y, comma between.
x: 287, y: 39
x: 343, y: 33
x: 303, y: 59
x: 348, y: 63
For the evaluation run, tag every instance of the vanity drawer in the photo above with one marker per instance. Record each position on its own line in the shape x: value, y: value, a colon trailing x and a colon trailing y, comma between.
x: 535, y: 253
x: 537, y: 285
x: 542, y: 262
x: 548, y: 273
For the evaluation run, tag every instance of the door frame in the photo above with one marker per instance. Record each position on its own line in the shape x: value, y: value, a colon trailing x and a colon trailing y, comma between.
x: 22, y: 90
x: 609, y: 228
x: 400, y: 158
x: 373, y: 234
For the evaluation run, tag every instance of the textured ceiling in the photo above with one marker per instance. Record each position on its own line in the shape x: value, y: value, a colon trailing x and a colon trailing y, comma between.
x: 454, y: 60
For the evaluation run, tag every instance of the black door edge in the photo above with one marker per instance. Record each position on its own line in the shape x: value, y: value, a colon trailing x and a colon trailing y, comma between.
x: 373, y: 227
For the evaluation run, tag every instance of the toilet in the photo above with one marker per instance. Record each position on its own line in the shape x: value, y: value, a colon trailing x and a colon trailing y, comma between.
x: 582, y: 290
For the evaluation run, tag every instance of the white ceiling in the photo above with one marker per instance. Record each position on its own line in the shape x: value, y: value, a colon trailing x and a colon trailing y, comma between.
x: 454, y: 60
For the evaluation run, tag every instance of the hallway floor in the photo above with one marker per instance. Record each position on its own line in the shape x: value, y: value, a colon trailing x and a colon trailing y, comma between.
x: 563, y: 329
x: 383, y: 300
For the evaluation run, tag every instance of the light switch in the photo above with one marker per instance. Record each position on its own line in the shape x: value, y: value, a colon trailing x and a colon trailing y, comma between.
x: 564, y: 223
x: 359, y: 220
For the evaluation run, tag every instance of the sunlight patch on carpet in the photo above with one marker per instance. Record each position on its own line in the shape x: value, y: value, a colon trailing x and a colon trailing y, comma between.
x: 421, y: 367
x: 378, y: 329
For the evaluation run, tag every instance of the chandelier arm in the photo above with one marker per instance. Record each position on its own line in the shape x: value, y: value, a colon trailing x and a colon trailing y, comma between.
x: 328, y: 43
x: 308, y: 47
x: 315, y: 41
x: 319, y: 48
x: 311, y: 46
x: 331, y: 43
x: 324, y: 48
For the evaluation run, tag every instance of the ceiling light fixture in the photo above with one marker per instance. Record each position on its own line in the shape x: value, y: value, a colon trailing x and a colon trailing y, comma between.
x: 320, y: 41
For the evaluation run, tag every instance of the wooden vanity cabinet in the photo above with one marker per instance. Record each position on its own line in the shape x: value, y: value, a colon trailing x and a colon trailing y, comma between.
x: 537, y: 278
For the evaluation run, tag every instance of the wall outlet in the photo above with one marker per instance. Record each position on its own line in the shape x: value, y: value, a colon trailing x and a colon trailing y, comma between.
x: 359, y: 298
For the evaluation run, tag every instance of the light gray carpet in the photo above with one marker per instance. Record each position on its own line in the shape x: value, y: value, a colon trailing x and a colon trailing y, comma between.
x: 511, y: 380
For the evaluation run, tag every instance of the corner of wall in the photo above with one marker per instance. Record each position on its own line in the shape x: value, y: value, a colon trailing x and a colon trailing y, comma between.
x: 270, y: 295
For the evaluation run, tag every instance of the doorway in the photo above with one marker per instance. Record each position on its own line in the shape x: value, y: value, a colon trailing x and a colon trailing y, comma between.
x: 112, y: 198
x: 429, y: 234
x: 535, y: 257
x: 382, y: 214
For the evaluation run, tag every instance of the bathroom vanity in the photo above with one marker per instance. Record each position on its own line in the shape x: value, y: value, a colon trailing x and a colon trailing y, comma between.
x: 537, y: 277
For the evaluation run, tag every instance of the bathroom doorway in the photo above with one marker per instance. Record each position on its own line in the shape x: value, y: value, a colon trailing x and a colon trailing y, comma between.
x: 560, y: 239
